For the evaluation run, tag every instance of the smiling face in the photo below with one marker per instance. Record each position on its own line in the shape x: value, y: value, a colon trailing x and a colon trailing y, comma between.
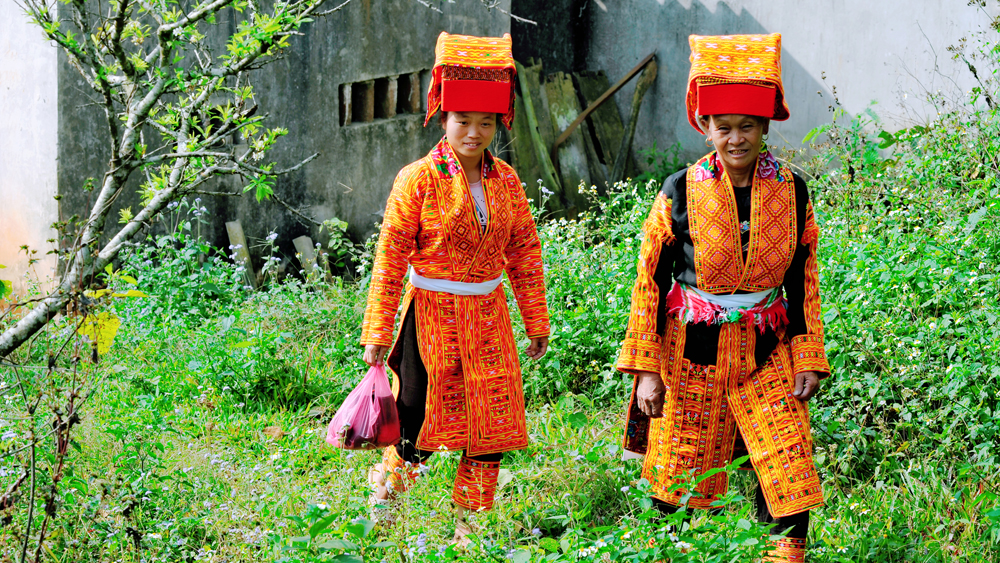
x: 469, y: 133
x: 737, y: 140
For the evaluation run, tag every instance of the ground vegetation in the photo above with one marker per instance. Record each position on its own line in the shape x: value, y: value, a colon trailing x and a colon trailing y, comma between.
x: 195, y: 433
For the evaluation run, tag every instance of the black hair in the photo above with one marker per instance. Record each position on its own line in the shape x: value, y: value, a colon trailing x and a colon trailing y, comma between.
x: 443, y: 118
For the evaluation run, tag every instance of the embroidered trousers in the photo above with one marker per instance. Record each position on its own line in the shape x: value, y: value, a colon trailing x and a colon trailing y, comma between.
x: 476, y: 481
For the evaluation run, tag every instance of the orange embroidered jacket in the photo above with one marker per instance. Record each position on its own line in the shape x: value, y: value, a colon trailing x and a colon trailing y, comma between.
x: 694, y: 234
x: 430, y: 223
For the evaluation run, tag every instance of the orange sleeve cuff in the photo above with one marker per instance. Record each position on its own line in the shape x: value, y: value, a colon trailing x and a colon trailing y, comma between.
x: 640, y: 352
x: 809, y: 354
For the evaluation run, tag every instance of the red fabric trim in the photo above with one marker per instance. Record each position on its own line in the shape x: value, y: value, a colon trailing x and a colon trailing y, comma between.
x: 744, y: 99
x: 475, y: 95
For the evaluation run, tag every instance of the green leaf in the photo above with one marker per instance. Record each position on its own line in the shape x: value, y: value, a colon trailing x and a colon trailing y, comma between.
x: 339, y: 544
x: 887, y: 140
x: 345, y: 558
x: 6, y: 288
x: 577, y: 420
x: 362, y: 528
x: 549, y: 544
x: 101, y: 330
x: 130, y: 293
x: 321, y: 525
x: 521, y: 556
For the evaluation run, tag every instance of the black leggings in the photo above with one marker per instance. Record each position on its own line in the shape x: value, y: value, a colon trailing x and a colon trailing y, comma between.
x: 412, y: 400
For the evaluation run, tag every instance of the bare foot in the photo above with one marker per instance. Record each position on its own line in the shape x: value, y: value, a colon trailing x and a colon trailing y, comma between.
x: 462, y: 531
x: 380, y: 493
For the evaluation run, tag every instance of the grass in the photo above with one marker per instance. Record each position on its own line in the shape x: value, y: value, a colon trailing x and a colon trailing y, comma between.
x: 202, y: 432
x: 173, y: 467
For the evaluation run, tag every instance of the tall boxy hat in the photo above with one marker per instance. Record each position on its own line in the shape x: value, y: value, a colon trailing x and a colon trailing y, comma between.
x: 472, y: 74
x: 735, y: 74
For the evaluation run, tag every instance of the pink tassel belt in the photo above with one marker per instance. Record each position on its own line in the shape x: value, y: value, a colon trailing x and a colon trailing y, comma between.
x: 691, y: 305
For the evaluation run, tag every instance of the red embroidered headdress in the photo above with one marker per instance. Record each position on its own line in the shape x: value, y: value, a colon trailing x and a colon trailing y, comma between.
x: 472, y: 74
x: 735, y: 74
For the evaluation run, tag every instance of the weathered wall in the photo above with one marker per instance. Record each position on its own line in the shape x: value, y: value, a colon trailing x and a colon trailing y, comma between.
x: 560, y: 36
x: 27, y: 147
x: 891, y: 51
x: 351, y: 179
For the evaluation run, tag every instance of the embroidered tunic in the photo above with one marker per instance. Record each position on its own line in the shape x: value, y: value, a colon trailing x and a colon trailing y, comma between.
x: 733, y: 378
x: 475, y: 399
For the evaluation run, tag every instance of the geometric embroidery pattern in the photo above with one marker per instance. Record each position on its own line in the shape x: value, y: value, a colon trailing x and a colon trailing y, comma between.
x: 641, y: 349
x: 476, y: 484
x: 696, y: 433
x: 715, y: 229
x: 707, y: 404
x: 475, y: 399
x: 786, y: 550
x: 741, y: 59
x: 775, y: 429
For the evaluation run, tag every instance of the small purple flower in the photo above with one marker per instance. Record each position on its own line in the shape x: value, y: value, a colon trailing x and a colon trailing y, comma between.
x: 422, y: 543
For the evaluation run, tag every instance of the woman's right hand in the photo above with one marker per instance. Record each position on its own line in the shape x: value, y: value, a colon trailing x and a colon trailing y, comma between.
x: 374, y: 354
x: 649, y: 392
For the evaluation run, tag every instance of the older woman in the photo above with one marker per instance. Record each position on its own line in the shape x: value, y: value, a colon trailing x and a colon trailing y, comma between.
x: 458, y: 219
x: 725, y: 339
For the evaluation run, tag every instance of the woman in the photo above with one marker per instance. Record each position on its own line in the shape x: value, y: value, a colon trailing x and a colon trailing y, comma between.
x: 725, y: 339
x: 458, y: 219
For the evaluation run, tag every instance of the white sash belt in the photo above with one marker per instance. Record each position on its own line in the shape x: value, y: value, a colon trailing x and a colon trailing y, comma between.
x: 454, y: 287
x: 736, y: 300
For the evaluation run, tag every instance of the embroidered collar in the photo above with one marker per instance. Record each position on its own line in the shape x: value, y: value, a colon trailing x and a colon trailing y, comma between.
x: 710, y: 168
x: 716, y: 231
x: 447, y: 165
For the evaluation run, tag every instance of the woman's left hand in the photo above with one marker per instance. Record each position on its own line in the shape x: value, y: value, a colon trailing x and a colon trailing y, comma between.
x: 806, y: 385
x: 537, y: 347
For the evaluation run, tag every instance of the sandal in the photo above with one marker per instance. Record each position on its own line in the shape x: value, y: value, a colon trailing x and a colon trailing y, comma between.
x: 382, y: 508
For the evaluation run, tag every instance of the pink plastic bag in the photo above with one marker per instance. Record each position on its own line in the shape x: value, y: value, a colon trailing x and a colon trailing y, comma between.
x: 368, y: 419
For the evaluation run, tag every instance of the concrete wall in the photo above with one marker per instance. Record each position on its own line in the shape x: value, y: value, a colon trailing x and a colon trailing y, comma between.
x: 28, y: 120
x: 890, y: 51
x: 351, y: 179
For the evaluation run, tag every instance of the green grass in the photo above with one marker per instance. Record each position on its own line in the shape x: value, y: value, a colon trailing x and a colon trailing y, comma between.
x: 201, y: 437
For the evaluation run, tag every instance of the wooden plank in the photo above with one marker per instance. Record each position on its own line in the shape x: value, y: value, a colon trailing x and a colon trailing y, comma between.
x: 598, y: 171
x: 605, y: 121
x: 532, y: 80
x: 524, y: 156
x: 564, y: 107
x: 306, y: 253
x: 240, y: 250
x: 550, y: 180
x: 645, y: 82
